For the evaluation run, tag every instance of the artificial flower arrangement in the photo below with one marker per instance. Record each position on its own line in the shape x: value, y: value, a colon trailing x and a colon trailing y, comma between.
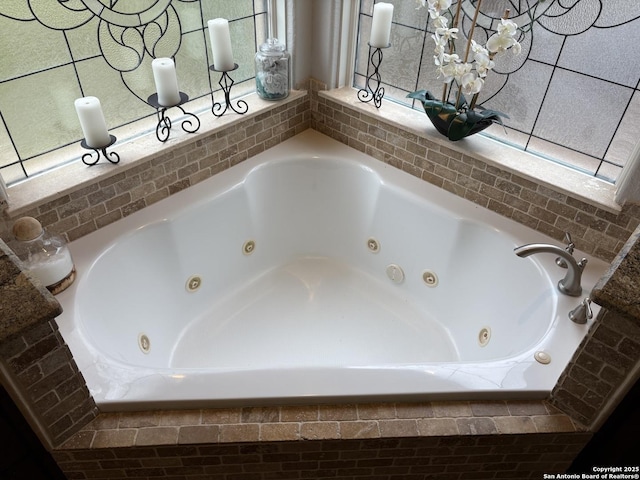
x: 459, y: 118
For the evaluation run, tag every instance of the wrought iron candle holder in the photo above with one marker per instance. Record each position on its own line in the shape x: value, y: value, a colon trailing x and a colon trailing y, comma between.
x: 163, y: 129
x: 368, y: 94
x: 112, y: 157
x: 226, y: 82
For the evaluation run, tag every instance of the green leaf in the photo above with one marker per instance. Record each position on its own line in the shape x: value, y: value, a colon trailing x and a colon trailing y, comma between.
x: 460, y: 127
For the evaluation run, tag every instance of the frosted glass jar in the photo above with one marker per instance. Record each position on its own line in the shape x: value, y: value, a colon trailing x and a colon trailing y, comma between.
x: 272, y: 70
x: 43, y: 254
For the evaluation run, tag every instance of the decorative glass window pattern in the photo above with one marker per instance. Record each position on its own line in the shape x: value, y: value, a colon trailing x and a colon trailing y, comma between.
x: 572, y: 95
x: 54, y: 51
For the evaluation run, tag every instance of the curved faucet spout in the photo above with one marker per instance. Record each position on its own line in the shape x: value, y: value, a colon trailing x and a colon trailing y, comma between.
x: 570, y: 284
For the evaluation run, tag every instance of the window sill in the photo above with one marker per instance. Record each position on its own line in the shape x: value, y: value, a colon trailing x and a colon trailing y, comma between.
x: 140, y: 144
x: 557, y: 177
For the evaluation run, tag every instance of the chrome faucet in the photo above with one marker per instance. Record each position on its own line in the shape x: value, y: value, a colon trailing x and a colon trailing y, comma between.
x: 570, y: 284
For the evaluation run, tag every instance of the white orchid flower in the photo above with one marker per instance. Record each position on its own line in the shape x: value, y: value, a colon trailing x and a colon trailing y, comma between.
x: 462, y: 69
x: 500, y: 43
x: 439, y: 41
x: 450, y: 67
x: 447, y: 33
x: 438, y: 58
x: 503, y: 38
x: 471, y: 84
x: 507, y: 28
x: 446, y: 71
x: 468, y: 76
x: 438, y: 21
x: 453, y: 70
x: 516, y: 49
x: 476, y: 48
x: 451, y: 58
x: 483, y: 63
x: 439, y: 4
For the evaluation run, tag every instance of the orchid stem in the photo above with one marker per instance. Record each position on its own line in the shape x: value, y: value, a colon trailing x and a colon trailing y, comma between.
x: 466, y: 54
x: 474, y: 99
x: 473, y: 26
x: 456, y: 19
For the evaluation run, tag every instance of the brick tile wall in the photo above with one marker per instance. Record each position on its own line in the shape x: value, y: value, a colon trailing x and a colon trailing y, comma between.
x: 484, y: 457
x: 608, y: 355
x: 43, y: 367
x: 449, y: 440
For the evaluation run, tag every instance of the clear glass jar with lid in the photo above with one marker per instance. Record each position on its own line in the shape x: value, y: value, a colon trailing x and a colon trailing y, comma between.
x: 272, y: 70
x: 43, y: 254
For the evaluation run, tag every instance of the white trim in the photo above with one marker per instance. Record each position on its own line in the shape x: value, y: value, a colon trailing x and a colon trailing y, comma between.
x: 348, y: 43
x: 281, y: 21
x: 628, y: 182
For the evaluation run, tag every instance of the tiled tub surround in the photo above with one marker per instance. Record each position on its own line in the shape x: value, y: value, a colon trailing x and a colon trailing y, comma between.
x: 607, y: 362
x: 450, y: 441
x: 520, y: 443
x: 35, y: 363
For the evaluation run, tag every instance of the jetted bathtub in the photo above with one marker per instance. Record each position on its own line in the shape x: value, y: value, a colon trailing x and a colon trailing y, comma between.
x: 314, y: 273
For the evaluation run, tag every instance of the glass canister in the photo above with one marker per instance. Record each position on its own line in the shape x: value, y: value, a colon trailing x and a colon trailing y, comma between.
x: 272, y: 70
x: 45, y: 255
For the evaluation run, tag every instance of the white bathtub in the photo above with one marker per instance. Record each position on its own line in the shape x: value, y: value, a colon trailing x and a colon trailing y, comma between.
x: 313, y: 313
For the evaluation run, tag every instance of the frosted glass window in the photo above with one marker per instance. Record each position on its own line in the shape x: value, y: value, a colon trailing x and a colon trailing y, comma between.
x: 572, y: 94
x: 52, y: 52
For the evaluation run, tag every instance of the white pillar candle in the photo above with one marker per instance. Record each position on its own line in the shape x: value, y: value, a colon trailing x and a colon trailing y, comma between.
x: 164, y: 74
x: 381, y: 25
x: 220, y: 44
x: 94, y: 127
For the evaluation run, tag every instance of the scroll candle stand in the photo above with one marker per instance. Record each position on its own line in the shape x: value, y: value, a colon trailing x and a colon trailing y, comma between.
x: 226, y: 82
x: 163, y: 129
x: 367, y: 93
x: 112, y: 157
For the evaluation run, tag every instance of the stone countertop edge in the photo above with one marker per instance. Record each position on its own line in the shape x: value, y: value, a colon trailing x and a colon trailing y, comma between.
x: 619, y: 289
x: 23, y: 302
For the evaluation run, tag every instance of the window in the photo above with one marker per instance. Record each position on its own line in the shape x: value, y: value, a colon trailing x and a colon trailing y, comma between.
x: 572, y: 95
x: 54, y: 52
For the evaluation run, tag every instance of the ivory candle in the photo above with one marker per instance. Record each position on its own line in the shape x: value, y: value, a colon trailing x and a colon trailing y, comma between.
x: 94, y: 127
x: 381, y: 25
x: 220, y: 44
x: 164, y: 75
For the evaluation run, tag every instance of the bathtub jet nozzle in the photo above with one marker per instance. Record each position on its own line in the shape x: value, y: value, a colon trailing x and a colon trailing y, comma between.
x: 570, y: 284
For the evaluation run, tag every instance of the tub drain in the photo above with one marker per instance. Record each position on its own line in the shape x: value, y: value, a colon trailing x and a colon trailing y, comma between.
x: 542, y: 357
x: 395, y: 273
x: 484, y: 336
x: 144, y: 343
